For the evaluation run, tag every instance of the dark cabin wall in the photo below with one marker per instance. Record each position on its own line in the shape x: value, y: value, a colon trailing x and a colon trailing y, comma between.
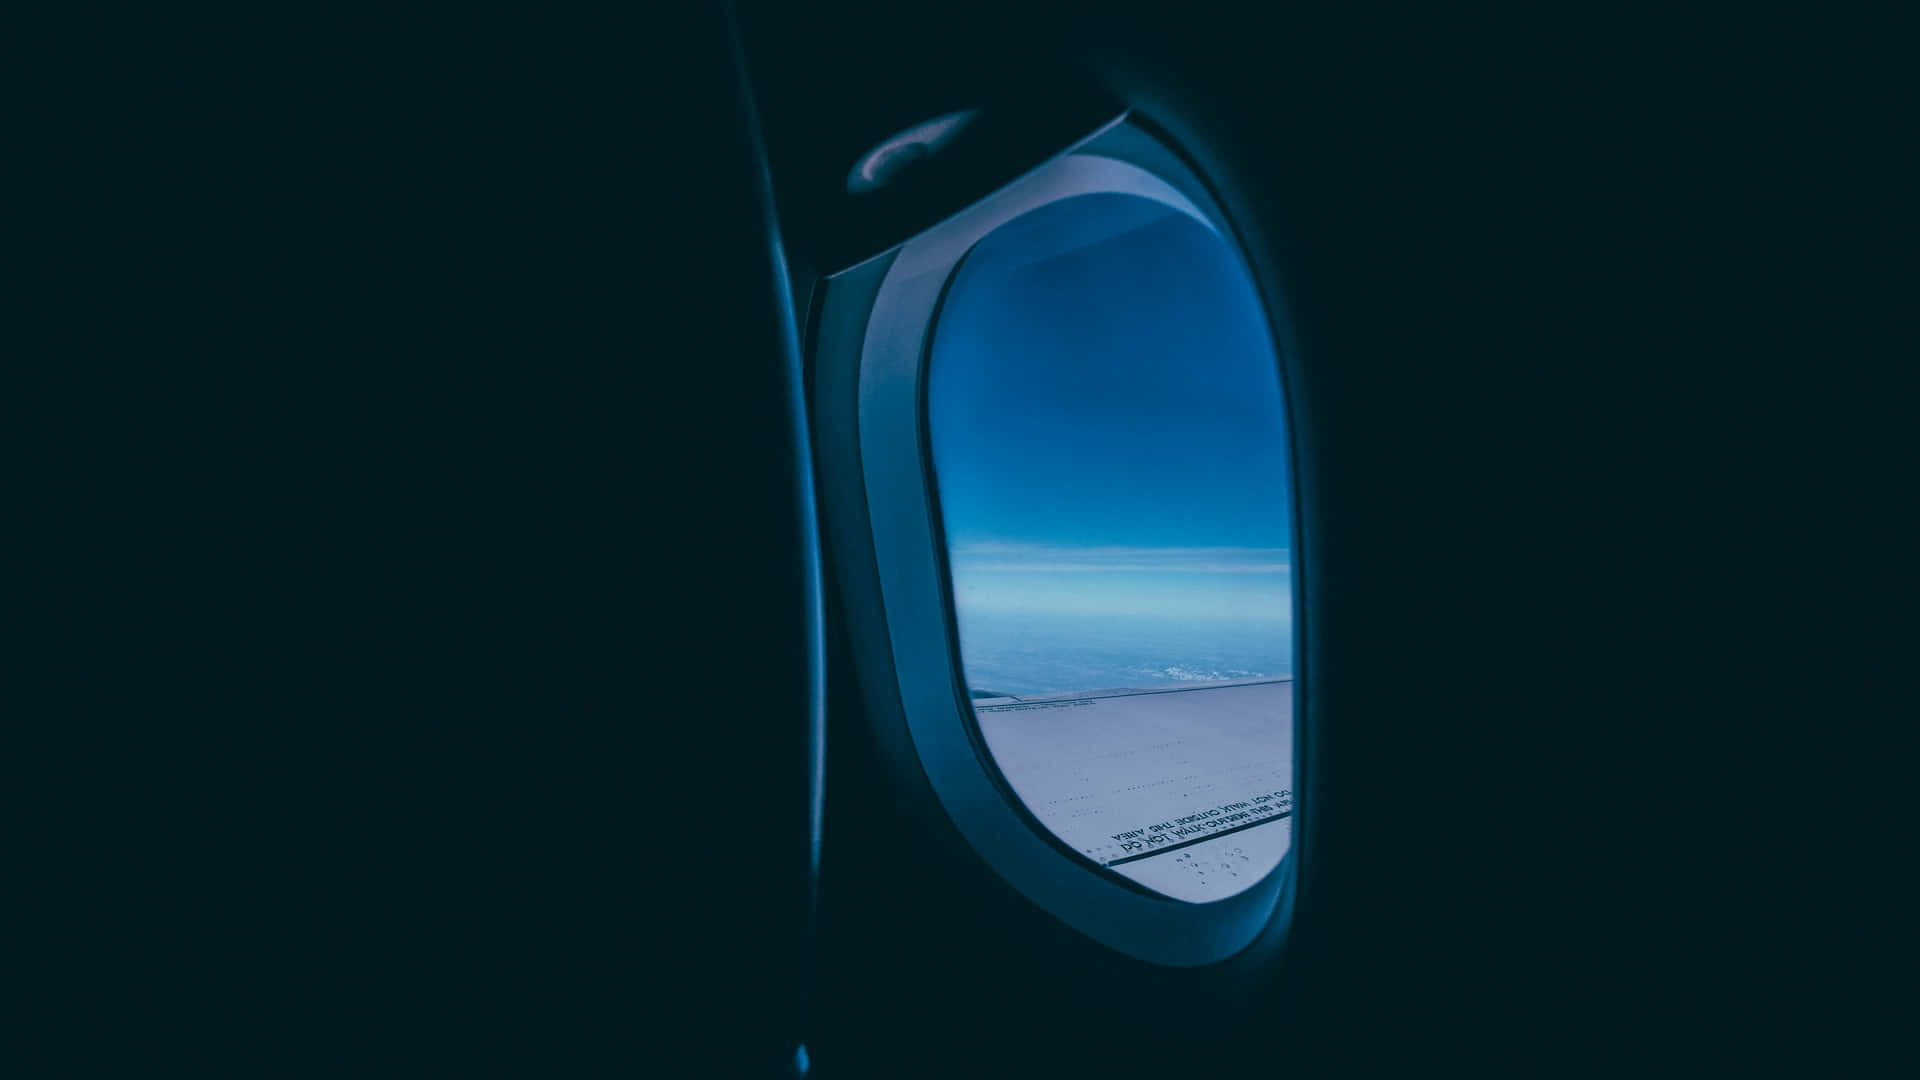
x: 409, y: 585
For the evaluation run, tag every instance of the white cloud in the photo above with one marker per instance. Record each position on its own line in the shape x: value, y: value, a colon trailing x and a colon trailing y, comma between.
x: 1004, y: 547
x: 1001, y: 557
x: 1189, y: 597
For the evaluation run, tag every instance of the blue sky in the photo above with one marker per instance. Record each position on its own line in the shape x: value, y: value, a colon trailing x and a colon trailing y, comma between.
x: 1106, y: 422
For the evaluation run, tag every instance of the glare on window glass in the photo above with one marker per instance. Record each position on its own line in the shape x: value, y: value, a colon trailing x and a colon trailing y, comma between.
x: 1110, y: 454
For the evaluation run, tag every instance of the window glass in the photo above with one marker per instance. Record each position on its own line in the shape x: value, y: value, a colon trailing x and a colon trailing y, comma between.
x: 1110, y: 455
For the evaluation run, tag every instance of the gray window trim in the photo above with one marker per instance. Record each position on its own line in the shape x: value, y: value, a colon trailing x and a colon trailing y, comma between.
x: 910, y: 571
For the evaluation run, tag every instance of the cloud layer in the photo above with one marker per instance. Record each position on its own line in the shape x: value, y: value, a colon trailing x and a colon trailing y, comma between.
x: 1017, y: 558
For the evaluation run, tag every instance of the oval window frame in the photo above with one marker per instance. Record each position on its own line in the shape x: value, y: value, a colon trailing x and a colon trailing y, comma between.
x: 910, y: 564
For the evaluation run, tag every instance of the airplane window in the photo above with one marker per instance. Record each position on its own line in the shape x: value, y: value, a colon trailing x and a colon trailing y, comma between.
x: 1109, y: 451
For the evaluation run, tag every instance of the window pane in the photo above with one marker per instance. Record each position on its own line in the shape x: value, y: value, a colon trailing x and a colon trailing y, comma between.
x: 1110, y: 452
